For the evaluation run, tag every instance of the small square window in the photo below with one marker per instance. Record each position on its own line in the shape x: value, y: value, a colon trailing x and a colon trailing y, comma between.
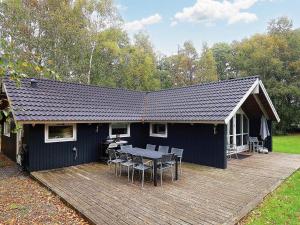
x: 158, y: 130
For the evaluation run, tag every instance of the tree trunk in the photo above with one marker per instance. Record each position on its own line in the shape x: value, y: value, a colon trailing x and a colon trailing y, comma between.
x: 90, y: 63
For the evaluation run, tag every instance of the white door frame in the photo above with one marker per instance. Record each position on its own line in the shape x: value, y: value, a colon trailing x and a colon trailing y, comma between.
x: 244, y: 146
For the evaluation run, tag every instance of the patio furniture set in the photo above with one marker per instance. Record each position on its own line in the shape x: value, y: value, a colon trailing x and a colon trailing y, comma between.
x: 254, y: 146
x: 143, y: 160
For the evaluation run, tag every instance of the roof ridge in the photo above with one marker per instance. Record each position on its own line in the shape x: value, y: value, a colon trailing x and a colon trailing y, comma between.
x: 82, y: 84
x: 145, y: 92
x: 207, y: 83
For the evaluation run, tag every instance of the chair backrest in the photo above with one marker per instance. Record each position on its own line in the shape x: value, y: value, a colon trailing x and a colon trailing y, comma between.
x: 253, y: 139
x: 123, y: 147
x: 123, y: 156
x: 163, y: 149
x: 150, y: 147
x: 166, y: 158
x: 177, y: 151
x: 112, y: 145
x: 112, y: 154
x: 137, y: 159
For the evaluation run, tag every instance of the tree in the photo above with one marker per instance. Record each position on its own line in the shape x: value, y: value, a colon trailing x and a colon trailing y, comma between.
x: 140, y: 66
x: 281, y: 25
x: 206, y: 68
x: 59, y: 34
x: 182, y: 66
x: 275, y: 57
x: 164, y: 66
x: 223, y: 55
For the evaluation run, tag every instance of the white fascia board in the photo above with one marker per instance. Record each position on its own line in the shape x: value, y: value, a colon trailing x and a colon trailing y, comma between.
x: 10, y: 104
x: 269, y: 101
x: 236, y: 108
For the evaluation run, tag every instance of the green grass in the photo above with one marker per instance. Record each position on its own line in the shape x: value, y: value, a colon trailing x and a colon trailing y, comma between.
x: 283, y: 205
x: 287, y: 144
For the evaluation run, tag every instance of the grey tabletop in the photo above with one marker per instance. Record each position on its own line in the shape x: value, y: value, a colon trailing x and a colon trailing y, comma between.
x: 143, y: 152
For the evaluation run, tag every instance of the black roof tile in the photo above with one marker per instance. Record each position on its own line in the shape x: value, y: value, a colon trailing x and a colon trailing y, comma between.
x: 61, y: 101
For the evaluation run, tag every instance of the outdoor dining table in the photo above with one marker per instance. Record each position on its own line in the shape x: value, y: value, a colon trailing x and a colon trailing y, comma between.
x: 152, y: 155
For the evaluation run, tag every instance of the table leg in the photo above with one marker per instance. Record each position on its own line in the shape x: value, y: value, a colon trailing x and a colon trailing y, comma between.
x: 155, y: 172
x: 176, y: 168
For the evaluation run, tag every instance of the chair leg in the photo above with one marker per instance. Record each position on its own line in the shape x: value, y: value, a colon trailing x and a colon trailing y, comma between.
x: 180, y: 166
x: 143, y: 174
x: 172, y: 173
x: 120, y: 170
x: 151, y: 174
x: 161, y: 177
x: 128, y: 172
x: 132, y: 175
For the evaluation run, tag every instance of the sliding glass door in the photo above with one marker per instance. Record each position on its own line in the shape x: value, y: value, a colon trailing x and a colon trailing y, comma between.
x: 238, y: 131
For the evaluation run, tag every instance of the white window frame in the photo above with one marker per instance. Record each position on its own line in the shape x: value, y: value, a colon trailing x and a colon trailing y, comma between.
x: 47, y: 140
x: 158, y: 135
x: 121, y: 135
x: 243, y: 146
x: 7, y: 128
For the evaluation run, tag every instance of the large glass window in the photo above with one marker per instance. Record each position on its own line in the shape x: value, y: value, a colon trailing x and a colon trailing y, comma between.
x: 119, y: 129
x: 158, y: 130
x: 238, y: 130
x: 60, y: 133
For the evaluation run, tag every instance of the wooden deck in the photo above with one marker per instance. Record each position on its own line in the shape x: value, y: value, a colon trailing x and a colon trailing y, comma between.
x: 203, y: 195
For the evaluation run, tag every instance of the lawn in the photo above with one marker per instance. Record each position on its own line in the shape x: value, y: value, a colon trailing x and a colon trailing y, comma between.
x: 287, y: 144
x: 283, y: 205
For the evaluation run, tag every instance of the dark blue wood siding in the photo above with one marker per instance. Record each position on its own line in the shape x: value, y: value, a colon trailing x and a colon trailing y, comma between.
x: 9, y: 144
x: 43, y: 155
x: 199, y: 142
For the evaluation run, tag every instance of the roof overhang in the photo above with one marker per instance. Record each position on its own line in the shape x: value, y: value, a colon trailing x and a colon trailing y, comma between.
x: 112, y: 121
x: 269, y: 101
x: 9, y: 101
x: 253, y: 90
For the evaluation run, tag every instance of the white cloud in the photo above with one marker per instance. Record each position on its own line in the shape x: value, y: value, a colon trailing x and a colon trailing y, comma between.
x: 209, y: 11
x: 121, y: 7
x: 141, y: 24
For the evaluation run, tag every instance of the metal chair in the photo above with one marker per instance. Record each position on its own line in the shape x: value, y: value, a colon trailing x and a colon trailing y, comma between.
x: 255, y: 144
x: 232, y: 150
x: 164, y: 164
x: 140, y: 166
x: 163, y: 149
x: 113, y: 158
x: 127, y: 163
x: 179, y: 153
x: 151, y: 147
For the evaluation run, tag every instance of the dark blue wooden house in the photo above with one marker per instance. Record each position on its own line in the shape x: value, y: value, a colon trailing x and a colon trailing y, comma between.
x: 56, y: 118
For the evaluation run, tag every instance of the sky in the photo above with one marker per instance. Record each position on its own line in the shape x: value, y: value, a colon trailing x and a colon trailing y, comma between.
x: 170, y: 23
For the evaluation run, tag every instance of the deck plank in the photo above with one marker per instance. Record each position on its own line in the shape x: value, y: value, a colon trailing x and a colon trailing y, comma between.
x: 203, y: 195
